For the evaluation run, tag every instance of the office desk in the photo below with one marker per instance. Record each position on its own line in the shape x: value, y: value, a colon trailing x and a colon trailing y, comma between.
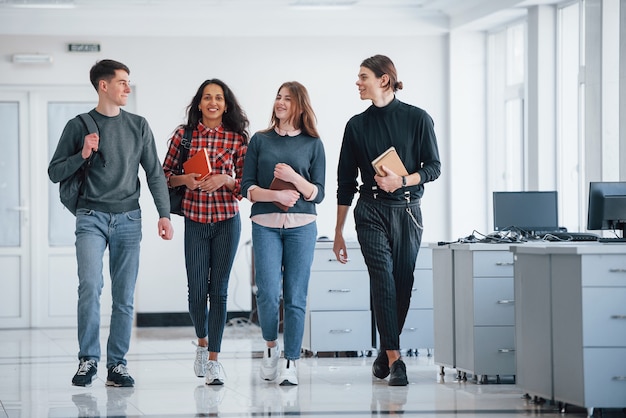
x: 474, y: 309
x: 570, y: 322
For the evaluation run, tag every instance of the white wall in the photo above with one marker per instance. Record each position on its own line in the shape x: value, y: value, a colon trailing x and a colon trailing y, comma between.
x: 165, y: 73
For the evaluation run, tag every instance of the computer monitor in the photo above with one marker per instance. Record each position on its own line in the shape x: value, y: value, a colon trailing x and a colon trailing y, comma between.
x: 526, y: 211
x: 607, y: 206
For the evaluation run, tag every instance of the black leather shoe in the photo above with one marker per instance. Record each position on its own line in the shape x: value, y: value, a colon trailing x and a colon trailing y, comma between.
x: 380, y: 368
x: 397, y: 375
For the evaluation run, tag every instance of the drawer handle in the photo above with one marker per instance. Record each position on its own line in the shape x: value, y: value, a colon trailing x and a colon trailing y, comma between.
x: 411, y: 329
x: 339, y: 290
x: 506, y: 302
x: 504, y: 263
x: 618, y: 316
x: 619, y: 378
x: 506, y: 350
x: 340, y: 331
x: 617, y: 270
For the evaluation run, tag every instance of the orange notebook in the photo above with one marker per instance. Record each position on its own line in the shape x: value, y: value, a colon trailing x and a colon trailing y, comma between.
x: 278, y: 184
x: 199, y: 163
x: 390, y: 160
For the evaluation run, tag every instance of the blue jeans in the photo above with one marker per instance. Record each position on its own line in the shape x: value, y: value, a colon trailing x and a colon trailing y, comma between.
x: 121, y: 232
x: 282, y: 264
x: 210, y: 250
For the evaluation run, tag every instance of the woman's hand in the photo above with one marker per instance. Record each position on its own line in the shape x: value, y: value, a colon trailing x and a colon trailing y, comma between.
x: 287, y: 197
x: 213, y: 182
x: 284, y: 172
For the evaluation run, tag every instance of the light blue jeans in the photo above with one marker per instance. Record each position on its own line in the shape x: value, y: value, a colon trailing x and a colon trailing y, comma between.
x: 121, y: 232
x: 282, y: 264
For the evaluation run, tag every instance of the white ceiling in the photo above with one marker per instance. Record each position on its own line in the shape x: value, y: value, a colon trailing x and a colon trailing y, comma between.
x: 277, y: 18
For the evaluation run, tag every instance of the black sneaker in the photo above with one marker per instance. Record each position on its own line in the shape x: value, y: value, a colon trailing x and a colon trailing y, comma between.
x: 397, y: 375
x: 380, y: 368
x: 118, y: 376
x: 87, y: 371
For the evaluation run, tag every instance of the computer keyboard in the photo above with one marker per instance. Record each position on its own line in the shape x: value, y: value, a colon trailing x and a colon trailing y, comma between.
x: 570, y: 236
x: 613, y: 240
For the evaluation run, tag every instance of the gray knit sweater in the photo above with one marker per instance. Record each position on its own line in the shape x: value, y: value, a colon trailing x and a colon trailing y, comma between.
x: 303, y: 153
x: 126, y: 142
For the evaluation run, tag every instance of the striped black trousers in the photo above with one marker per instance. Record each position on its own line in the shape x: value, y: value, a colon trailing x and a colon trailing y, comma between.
x: 390, y: 239
x: 209, y: 254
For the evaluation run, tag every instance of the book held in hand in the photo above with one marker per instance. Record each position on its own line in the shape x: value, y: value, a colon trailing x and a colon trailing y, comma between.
x: 278, y: 184
x: 390, y: 160
x: 198, y: 163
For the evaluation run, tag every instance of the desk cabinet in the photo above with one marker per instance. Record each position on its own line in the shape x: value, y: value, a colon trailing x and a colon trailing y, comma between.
x: 338, y: 316
x: 485, y: 310
x: 571, y: 323
x: 418, y: 327
x: 589, y: 329
x: 533, y: 324
x: 443, y: 306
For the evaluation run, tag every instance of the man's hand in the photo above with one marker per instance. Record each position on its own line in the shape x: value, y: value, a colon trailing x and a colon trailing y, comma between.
x: 90, y: 145
x: 166, y: 231
x: 339, y: 248
x: 390, y: 182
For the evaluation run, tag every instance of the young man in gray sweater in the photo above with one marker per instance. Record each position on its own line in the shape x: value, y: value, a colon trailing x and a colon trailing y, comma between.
x: 108, y: 214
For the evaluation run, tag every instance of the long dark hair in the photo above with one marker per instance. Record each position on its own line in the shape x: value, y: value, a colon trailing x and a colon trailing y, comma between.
x: 380, y: 65
x: 235, y: 119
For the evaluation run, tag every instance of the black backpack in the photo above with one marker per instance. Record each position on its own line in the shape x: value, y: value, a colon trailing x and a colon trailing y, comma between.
x: 73, y: 187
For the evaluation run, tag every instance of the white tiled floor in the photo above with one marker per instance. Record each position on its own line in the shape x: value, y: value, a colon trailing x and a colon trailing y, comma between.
x: 36, y: 368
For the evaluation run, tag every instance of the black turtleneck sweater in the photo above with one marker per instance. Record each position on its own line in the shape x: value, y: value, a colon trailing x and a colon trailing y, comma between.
x: 367, y: 135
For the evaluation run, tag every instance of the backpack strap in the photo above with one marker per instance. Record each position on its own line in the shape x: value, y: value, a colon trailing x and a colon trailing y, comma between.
x: 92, y: 127
x: 89, y: 123
x: 186, y: 144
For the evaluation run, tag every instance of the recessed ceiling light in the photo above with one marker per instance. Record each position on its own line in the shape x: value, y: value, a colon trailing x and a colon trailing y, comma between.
x: 322, y: 4
x: 32, y: 59
x: 40, y: 4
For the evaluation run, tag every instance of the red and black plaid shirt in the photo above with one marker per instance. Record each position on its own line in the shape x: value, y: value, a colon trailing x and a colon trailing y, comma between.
x: 226, y: 153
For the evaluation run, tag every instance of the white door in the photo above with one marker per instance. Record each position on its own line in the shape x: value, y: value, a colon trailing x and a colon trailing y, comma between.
x: 15, y: 219
x: 38, y: 279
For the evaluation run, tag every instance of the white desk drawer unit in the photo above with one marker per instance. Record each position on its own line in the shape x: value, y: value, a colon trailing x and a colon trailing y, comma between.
x: 338, y: 314
x: 418, y: 330
x: 484, y: 310
x: 589, y: 328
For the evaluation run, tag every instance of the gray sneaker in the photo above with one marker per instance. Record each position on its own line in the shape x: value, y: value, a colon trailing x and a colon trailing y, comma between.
x: 87, y: 371
x: 215, y: 373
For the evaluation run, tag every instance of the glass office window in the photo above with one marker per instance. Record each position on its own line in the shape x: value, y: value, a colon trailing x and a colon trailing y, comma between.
x: 570, y: 110
x: 506, y: 67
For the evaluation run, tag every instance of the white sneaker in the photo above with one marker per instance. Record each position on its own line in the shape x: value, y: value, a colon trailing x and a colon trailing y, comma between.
x: 202, y: 357
x: 215, y: 373
x: 269, y: 365
x: 289, y: 375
